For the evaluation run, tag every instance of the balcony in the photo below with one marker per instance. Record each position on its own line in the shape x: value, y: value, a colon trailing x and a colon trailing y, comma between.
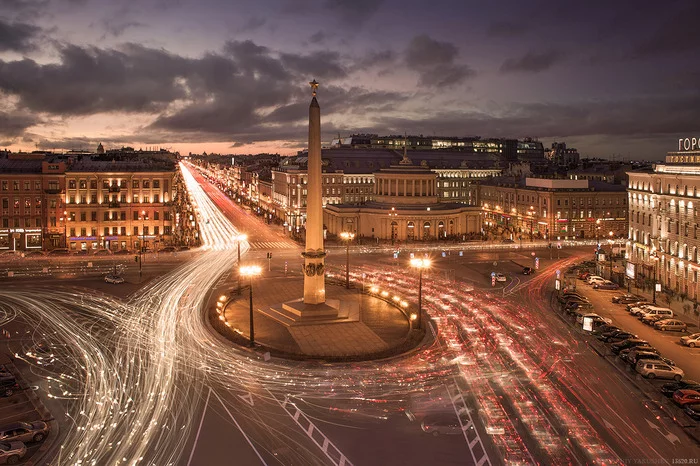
x: 114, y: 188
x: 53, y: 191
x: 114, y: 204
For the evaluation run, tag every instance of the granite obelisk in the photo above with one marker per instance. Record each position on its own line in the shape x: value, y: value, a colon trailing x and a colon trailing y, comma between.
x: 314, y: 253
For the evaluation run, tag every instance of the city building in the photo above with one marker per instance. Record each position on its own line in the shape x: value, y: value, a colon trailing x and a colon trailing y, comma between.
x: 119, y: 203
x: 562, y: 156
x: 521, y: 209
x: 663, y: 222
x: 31, y: 201
x: 509, y: 149
x: 405, y: 207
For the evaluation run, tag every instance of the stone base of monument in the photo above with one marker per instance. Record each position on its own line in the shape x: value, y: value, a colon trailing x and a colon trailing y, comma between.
x: 297, y: 312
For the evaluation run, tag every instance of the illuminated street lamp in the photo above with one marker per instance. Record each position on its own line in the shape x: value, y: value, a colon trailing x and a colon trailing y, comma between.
x: 347, y: 237
x: 143, y: 239
x: 250, y: 271
x: 531, y: 214
x: 65, y: 220
x: 420, y: 264
x: 238, y: 238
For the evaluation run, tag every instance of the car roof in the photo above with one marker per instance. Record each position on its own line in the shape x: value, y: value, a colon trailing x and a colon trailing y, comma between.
x: 15, y: 425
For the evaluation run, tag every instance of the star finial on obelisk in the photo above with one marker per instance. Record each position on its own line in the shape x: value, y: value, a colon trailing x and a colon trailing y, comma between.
x: 314, y: 86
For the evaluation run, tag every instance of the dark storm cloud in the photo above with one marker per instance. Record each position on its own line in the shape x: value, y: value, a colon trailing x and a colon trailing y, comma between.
x: 13, y: 124
x: 91, y: 80
x: 117, y: 27
x: 623, y: 118
x: 17, y: 36
x: 532, y: 62
x: 434, y: 61
x: 323, y: 65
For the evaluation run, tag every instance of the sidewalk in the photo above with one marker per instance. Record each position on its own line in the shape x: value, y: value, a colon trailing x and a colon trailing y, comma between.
x: 382, y: 331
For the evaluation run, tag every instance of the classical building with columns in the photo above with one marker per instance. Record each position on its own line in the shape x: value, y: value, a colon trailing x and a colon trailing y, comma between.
x: 404, y: 206
x: 663, y: 223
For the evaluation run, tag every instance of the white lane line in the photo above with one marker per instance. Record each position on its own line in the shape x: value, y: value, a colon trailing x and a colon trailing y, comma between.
x: 239, y: 428
x: 199, y: 429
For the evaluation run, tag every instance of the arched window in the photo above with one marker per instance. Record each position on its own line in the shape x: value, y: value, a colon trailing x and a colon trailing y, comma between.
x: 426, y: 230
x: 411, y: 231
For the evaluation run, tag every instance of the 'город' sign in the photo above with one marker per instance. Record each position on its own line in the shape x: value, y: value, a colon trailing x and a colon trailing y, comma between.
x: 688, y: 144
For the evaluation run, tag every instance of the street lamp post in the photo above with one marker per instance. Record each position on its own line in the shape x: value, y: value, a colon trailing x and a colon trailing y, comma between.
x: 420, y: 264
x: 531, y: 214
x: 250, y: 271
x: 143, y: 239
x: 65, y: 219
x: 239, y: 237
x: 655, y: 257
x: 347, y: 237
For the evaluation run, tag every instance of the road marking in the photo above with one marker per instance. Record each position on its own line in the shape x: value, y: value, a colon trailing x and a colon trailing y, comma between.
x: 460, y: 407
x: 239, y: 428
x: 309, y: 431
x: 199, y: 429
x: 248, y: 398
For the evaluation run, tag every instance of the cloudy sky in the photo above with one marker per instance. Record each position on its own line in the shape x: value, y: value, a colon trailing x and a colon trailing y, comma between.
x: 231, y: 76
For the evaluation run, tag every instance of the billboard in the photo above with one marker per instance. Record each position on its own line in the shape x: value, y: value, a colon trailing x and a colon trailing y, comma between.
x: 630, y: 271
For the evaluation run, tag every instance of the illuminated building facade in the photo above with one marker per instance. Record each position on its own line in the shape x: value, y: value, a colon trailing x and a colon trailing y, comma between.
x: 119, y: 204
x: 664, y: 223
x: 554, y: 208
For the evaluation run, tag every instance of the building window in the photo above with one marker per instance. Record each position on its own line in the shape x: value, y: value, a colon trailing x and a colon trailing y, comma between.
x: 83, y: 185
x: 71, y: 184
x: 135, y: 184
x: 156, y: 230
x: 136, y: 231
x: 83, y: 216
x: 156, y: 184
x: 106, y: 231
x: 93, y: 184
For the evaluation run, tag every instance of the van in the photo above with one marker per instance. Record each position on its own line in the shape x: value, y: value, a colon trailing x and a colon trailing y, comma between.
x: 656, y: 311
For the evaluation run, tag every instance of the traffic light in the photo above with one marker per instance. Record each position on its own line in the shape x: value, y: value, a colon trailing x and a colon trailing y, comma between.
x: 269, y: 255
x: 136, y: 258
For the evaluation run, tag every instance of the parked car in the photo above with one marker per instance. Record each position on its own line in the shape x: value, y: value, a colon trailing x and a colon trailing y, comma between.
x: 637, y: 311
x: 8, y: 386
x: 626, y: 299
x: 652, y: 319
x: 103, y: 252
x: 616, y: 336
x: 628, y: 343
x: 122, y: 252
x: 12, y: 452
x: 114, y: 279
x: 668, y: 389
x: 627, y: 354
x: 655, y: 369
x: 691, y: 340
x: 649, y: 356
x: 605, y: 329
x: 82, y: 252
x: 693, y: 411
x: 594, y: 279
x: 656, y: 311
x: 606, y: 285
x: 441, y: 423
x: 184, y: 248
x: 34, y: 254
x: 595, y: 316
x: 24, y: 431
x: 168, y: 249
x: 671, y: 324
x: 637, y: 304
x: 527, y: 270
x: 686, y: 396
x: 505, y: 241
x: 583, y: 275
x: 500, y: 277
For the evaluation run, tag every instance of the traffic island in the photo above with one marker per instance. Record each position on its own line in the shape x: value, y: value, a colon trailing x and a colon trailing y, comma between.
x: 367, y: 328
